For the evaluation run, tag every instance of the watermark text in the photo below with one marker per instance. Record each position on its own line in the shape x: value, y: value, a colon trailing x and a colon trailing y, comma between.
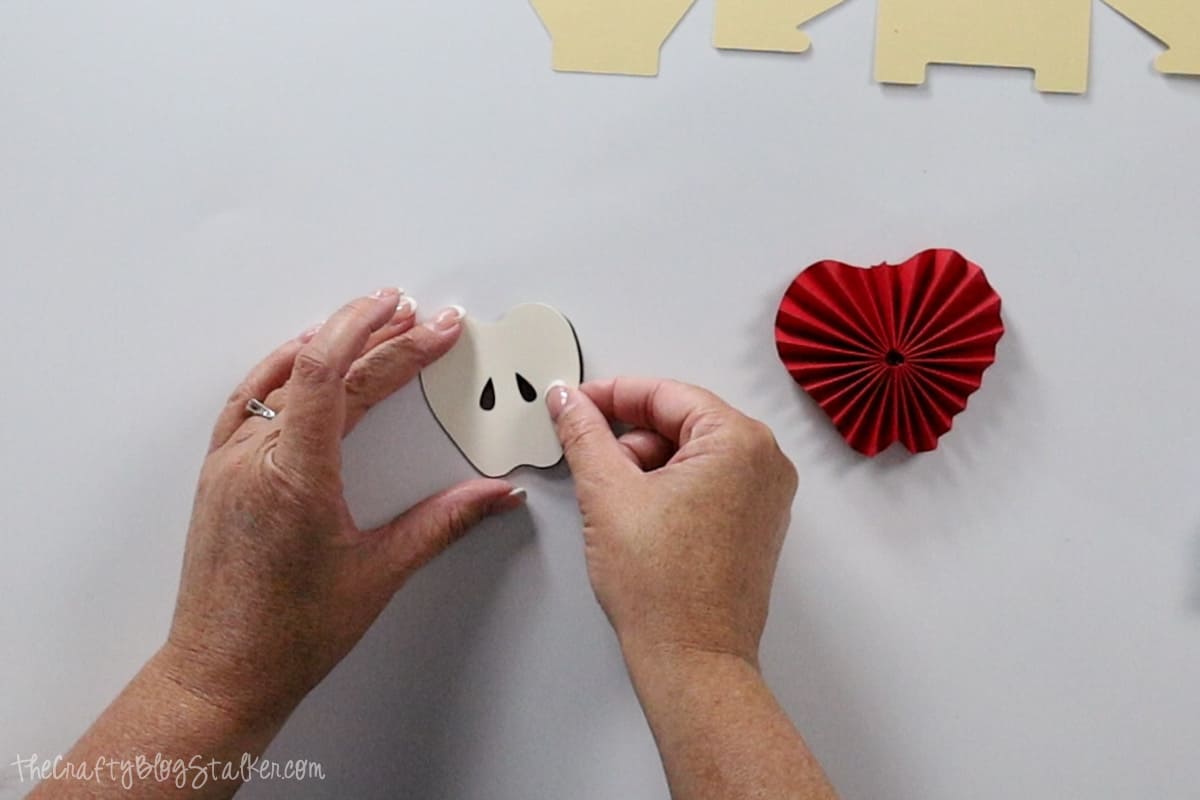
x: 194, y: 772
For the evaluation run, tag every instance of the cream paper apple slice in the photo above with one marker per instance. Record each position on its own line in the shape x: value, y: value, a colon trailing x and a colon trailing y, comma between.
x: 488, y: 392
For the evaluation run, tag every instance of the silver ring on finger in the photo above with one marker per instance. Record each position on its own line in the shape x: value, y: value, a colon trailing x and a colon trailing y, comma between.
x: 258, y: 408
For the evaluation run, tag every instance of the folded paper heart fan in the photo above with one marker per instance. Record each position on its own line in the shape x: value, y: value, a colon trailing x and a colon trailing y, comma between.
x: 891, y: 353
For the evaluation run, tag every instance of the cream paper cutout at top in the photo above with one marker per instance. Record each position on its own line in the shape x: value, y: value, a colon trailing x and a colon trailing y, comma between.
x: 1052, y: 37
x: 1175, y: 23
x: 620, y: 37
x: 769, y: 25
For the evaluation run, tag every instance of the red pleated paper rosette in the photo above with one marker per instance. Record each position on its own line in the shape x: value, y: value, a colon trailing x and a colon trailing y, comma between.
x: 892, y: 353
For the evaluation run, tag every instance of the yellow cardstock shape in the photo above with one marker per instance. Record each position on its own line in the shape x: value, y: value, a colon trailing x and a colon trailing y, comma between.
x: 614, y: 37
x: 1052, y: 37
x: 1175, y: 23
x: 766, y: 25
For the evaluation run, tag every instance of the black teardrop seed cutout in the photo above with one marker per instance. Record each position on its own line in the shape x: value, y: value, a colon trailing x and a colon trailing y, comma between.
x: 487, y: 400
x: 528, y: 393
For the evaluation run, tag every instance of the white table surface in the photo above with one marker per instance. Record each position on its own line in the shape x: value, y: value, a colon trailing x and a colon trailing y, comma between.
x: 182, y: 185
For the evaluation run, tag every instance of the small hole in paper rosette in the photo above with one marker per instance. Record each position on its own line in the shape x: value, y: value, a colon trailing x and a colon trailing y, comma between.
x: 894, y: 358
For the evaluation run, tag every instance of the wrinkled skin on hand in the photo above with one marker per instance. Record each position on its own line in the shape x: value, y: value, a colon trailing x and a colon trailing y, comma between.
x: 684, y: 516
x: 278, y: 581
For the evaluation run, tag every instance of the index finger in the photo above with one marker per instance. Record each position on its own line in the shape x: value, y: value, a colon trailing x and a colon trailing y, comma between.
x: 312, y: 421
x: 671, y: 409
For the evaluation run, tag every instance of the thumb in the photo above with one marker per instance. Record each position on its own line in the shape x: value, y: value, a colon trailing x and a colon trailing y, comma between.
x: 427, y: 529
x: 592, y: 450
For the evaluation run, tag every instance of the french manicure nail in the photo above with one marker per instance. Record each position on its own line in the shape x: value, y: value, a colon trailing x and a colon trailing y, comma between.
x: 449, y: 317
x: 387, y: 292
x: 510, y: 502
x: 407, y: 307
x: 557, y: 395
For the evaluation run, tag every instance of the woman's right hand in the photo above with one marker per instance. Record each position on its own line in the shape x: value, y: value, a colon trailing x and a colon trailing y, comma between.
x: 684, y: 516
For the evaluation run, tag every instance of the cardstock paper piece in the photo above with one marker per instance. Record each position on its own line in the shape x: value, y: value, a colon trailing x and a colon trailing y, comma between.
x: 891, y: 353
x: 617, y: 37
x: 1052, y: 37
x: 1175, y: 23
x: 766, y: 25
x: 488, y: 392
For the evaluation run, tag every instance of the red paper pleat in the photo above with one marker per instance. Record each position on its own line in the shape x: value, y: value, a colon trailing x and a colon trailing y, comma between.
x: 891, y: 353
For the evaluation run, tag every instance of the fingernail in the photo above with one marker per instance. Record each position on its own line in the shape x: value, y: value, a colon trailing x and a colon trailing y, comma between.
x: 557, y: 395
x: 407, y: 307
x: 310, y: 333
x: 448, y: 318
x: 387, y: 292
x: 510, y: 502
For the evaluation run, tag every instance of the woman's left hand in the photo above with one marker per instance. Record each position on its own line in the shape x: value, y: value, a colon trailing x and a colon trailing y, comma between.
x: 278, y: 582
